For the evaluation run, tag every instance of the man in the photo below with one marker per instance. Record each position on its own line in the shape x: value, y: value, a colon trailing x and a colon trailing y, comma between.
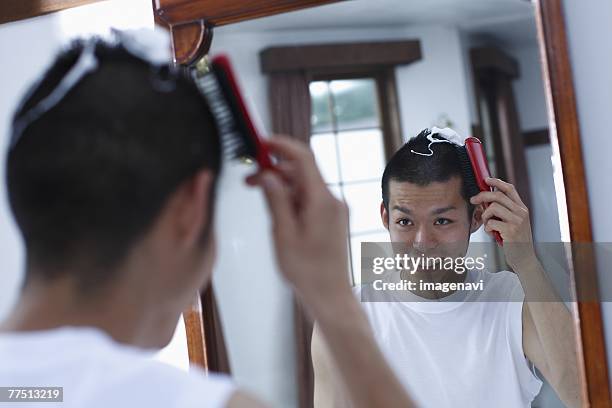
x: 454, y: 349
x: 111, y: 176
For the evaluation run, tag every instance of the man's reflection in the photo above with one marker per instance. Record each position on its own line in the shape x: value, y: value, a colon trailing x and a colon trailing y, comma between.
x: 448, y: 351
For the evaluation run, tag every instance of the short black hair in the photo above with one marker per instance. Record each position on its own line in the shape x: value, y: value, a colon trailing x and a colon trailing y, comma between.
x: 88, y: 178
x: 441, y: 166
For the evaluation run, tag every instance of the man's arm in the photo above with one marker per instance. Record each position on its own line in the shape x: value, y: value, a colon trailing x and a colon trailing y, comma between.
x: 328, y: 391
x: 548, y: 333
x: 548, y: 336
x: 310, y: 232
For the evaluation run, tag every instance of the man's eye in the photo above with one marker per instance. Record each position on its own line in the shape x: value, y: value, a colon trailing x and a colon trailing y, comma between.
x: 442, y: 221
x: 404, y: 222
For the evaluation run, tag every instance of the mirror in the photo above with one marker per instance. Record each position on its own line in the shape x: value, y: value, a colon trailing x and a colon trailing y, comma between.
x: 401, y: 66
x: 355, y: 81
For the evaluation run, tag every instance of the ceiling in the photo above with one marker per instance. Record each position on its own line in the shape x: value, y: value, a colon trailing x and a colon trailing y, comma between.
x: 507, y: 21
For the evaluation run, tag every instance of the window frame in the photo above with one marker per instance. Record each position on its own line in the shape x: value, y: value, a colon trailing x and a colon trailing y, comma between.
x: 389, y: 116
x: 386, y: 93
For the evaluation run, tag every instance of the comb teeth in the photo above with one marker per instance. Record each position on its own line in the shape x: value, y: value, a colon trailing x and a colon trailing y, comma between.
x: 467, y: 172
x: 232, y: 144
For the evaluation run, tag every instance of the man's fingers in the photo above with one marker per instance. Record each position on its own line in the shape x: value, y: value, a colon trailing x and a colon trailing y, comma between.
x: 499, y: 211
x: 285, y: 169
x: 280, y: 203
x: 496, y: 225
x: 494, y: 197
x: 506, y: 188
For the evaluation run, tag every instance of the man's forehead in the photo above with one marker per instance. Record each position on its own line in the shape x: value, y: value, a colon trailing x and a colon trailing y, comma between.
x: 439, y: 194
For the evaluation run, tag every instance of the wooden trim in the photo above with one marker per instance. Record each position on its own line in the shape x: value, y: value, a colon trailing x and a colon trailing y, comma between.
x: 390, y: 115
x: 14, y: 10
x: 536, y: 137
x: 214, y: 346
x: 190, y: 41
x: 194, y: 329
x: 565, y: 138
x: 191, y: 22
x: 339, y: 56
x: 303, y: 327
x: 492, y: 58
x: 222, y: 12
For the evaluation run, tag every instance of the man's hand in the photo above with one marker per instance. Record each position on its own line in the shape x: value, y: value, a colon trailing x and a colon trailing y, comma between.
x: 508, y: 215
x: 548, y: 327
x: 310, y: 225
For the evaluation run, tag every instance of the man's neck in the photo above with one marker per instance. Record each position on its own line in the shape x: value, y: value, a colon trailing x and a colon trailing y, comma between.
x: 46, y: 306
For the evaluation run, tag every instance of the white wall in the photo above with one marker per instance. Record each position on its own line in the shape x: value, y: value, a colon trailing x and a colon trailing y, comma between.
x: 255, y: 304
x: 589, y: 34
x: 529, y: 88
x: 26, y: 47
x: 532, y: 112
x: 436, y: 85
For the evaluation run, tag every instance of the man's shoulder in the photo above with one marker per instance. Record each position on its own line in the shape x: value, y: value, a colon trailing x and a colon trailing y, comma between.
x: 133, y: 373
x: 97, y: 371
x: 140, y: 365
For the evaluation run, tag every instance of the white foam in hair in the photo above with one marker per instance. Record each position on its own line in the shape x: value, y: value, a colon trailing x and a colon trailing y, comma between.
x: 150, y: 45
x: 447, y: 135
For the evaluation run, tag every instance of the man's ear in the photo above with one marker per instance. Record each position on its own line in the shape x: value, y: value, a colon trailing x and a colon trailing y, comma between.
x: 384, y: 215
x: 190, y: 207
x: 476, y: 221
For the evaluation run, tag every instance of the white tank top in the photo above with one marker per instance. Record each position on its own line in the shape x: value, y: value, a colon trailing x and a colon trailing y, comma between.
x: 97, y: 372
x: 460, y: 352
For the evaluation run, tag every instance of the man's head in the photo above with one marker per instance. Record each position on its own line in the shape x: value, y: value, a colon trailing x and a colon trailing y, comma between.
x: 425, y: 202
x: 120, y: 173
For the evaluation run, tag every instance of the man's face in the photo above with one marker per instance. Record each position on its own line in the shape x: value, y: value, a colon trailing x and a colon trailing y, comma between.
x: 432, y: 218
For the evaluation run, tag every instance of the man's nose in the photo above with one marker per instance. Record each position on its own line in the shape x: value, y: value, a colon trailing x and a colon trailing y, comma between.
x: 424, y: 238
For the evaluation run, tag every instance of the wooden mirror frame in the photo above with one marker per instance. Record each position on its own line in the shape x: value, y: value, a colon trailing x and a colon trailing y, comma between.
x: 191, y: 23
x: 565, y: 141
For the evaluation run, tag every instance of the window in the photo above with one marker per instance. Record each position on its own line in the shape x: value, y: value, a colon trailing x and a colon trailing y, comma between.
x: 349, y: 144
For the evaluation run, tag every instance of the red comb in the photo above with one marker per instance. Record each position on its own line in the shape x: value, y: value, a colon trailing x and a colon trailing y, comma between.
x: 480, y: 166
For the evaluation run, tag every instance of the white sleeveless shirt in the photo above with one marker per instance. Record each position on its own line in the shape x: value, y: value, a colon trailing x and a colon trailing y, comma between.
x: 463, y: 352
x: 97, y: 372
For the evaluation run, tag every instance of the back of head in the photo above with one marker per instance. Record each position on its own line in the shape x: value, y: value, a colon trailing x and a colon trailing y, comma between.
x: 420, y: 169
x: 87, y: 178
